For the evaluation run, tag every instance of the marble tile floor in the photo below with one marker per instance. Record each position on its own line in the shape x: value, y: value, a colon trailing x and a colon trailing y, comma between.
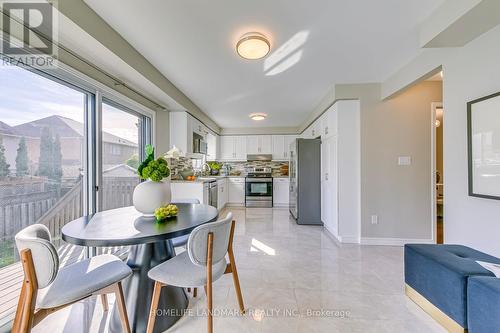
x: 294, y: 279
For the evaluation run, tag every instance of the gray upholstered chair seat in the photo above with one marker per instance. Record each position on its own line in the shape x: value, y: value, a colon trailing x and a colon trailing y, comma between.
x: 181, y: 272
x: 180, y: 241
x: 82, y: 279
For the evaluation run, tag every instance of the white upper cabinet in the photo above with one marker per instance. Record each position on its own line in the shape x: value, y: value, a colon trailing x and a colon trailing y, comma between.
x: 233, y: 148
x: 181, y: 133
x: 227, y: 147
x: 281, y: 146
x: 259, y: 144
x: 266, y: 144
x: 313, y: 131
x: 252, y: 144
x: 240, y: 148
x: 329, y: 122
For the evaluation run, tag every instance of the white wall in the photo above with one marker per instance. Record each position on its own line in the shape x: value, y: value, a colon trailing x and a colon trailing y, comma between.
x: 349, y: 162
x: 472, y: 72
x: 399, y: 195
x: 162, y: 132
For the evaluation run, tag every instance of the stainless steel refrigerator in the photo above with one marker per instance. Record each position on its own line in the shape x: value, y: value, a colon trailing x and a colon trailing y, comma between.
x: 305, y: 181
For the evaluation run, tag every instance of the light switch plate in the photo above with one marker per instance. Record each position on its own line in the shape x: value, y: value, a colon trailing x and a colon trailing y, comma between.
x: 404, y: 160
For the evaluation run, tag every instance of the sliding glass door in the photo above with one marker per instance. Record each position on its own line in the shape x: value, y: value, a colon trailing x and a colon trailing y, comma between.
x: 122, y: 142
x: 42, y: 154
x: 50, y: 171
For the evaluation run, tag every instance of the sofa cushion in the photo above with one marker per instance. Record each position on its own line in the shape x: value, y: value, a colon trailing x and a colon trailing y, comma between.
x: 440, y: 274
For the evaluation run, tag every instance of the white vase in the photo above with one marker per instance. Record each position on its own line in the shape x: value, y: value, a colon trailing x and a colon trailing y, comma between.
x: 150, y: 195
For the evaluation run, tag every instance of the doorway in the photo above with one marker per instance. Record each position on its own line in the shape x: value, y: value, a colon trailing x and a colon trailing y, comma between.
x: 437, y: 170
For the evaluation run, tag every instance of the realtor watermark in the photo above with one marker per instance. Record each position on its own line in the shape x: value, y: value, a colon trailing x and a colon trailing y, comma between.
x: 257, y: 314
x: 29, y: 33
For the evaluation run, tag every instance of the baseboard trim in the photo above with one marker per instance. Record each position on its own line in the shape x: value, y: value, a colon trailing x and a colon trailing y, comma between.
x: 442, y: 318
x: 349, y: 239
x: 331, y: 236
x: 394, y: 241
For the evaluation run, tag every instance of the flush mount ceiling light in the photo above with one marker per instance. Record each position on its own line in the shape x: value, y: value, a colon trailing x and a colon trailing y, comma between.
x: 258, y: 116
x: 253, y: 45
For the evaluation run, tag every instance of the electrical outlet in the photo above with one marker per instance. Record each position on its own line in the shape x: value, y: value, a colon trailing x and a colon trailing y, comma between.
x: 374, y: 219
x: 404, y: 160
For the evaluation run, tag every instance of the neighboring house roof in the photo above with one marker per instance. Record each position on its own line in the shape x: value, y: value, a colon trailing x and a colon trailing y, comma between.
x: 66, y: 128
x: 6, y: 129
x: 120, y: 170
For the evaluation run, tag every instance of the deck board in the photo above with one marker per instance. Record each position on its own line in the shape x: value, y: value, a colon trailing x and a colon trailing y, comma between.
x: 11, y: 276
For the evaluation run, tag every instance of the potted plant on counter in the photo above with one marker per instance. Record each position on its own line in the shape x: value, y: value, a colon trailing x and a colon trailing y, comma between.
x: 155, y: 191
x: 214, y: 168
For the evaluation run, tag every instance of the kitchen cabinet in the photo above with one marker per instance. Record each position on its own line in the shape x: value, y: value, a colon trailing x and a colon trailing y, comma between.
x: 213, y: 144
x: 233, y: 148
x: 281, y: 192
x: 329, y: 186
x: 281, y: 146
x: 329, y: 122
x: 259, y: 144
x: 191, y: 190
x: 182, y: 128
x: 236, y: 191
x: 221, y: 193
x: 181, y: 133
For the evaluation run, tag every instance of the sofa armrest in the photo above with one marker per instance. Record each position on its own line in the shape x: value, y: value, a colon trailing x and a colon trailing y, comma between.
x: 483, y: 304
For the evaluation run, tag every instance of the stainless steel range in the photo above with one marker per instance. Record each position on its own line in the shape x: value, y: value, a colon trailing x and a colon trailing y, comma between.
x: 259, y: 187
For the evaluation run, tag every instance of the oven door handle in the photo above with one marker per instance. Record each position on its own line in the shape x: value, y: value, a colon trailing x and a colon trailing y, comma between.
x: 257, y: 180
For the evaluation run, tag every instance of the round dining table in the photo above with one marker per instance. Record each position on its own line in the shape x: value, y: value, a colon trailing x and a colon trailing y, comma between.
x: 150, y: 245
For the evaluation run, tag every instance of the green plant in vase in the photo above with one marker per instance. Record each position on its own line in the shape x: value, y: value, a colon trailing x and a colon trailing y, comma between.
x: 214, y: 167
x: 155, y: 192
x: 153, y: 169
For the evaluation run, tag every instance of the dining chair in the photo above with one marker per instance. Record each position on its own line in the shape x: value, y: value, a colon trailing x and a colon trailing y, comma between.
x: 47, y: 289
x: 203, y: 263
x: 181, y: 241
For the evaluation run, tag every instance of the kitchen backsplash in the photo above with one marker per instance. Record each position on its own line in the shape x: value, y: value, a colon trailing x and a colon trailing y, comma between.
x: 183, y: 163
x: 274, y: 165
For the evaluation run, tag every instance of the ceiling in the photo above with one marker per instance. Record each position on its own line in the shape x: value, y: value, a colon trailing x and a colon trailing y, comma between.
x: 314, y: 44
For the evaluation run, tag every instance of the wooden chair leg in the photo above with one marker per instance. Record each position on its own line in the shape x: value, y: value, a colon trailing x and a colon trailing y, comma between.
x: 154, y: 306
x: 16, y: 327
x: 120, y: 302
x: 104, y: 300
x: 25, y: 313
x: 234, y: 271
x: 236, y: 281
x: 208, y: 287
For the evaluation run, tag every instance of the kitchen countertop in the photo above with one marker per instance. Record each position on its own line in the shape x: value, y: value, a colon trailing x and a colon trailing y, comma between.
x: 212, y: 178
x: 205, y: 179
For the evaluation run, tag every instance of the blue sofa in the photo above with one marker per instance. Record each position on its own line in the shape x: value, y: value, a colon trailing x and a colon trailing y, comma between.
x: 439, y: 274
x: 483, y: 304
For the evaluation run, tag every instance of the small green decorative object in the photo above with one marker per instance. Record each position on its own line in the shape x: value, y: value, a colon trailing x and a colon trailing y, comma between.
x: 166, y: 212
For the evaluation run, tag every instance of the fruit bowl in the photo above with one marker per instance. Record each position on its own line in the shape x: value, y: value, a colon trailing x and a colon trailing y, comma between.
x: 165, y: 212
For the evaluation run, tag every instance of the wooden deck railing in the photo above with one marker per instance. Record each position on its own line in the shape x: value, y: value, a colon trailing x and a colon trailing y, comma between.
x: 17, y: 212
x: 66, y: 209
